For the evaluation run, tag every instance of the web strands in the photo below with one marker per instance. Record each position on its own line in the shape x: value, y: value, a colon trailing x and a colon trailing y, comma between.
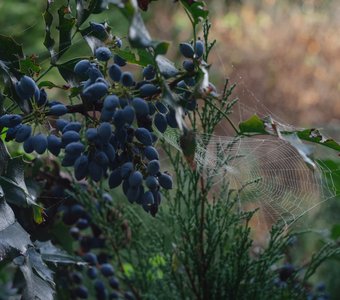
x: 269, y: 174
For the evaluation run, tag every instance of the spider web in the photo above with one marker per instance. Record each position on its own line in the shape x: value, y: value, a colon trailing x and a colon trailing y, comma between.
x: 268, y: 173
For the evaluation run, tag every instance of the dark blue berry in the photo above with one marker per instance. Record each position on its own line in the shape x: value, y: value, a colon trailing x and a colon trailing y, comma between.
x: 10, y: 120
x: 76, y: 126
x: 148, y: 90
x: 82, y: 67
x: 128, y: 114
x: 95, y: 171
x: 54, y: 144
x: 74, y: 148
x: 69, y: 137
x: 151, y: 182
x: 105, y: 132
x: 90, y: 258
x: 29, y: 145
x: 103, y: 53
x: 165, y: 181
x: 107, y: 270
x: 160, y: 122
x: 23, y: 133
x: 118, y: 60
x: 110, y: 152
x: 27, y: 86
x: 143, y: 135
x: 188, y: 65
x: 114, y: 283
x: 58, y: 110
x: 92, y: 273
x: 199, y: 48
x: 61, y: 123
x: 149, y: 72
x: 91, y: 134
x: 186, y: 50
x: 135, y: 179
x: 127, y: 79
x: 69, y: 160
x: 101, y: 158
x: 153, y: 167
x: 133, y: 193
x: 115, y: 72
x: 148, y: 198
x: 115, y: 178
x: 111, y: 102
x: 81, y: 292
x: 40, y: 143
x: 126, y: 169
x: 141, y: 106
x: 151, y: 153
x: 161, y: 107
x: 95, y: 91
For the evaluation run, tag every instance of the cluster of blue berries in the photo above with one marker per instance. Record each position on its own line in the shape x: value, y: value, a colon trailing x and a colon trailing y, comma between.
x: 117, y: 141
x: 90, y: 245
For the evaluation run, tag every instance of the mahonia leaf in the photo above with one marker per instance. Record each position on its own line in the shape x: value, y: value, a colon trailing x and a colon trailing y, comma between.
x: 10, y: 52
x: 13, y: 239
x: 139, y: 57
x: 66, y: 23
x: 4, y: 157
x: 197, y: 10
x: 53, y: 254
x: 39, y: 265
x: 14, y: 185
x: 49, y: 42
x: 35, y: 287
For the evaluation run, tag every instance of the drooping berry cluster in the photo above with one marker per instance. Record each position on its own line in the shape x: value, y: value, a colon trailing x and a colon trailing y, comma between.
x: 90, y: 244
x: 115, y: 137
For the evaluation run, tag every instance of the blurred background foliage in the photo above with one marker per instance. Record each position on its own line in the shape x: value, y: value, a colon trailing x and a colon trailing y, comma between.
x: 284, y: 56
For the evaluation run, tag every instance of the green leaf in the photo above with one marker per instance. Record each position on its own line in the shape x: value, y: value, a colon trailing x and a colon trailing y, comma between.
x: 10, y: 52
x: 314, y: 136
x: 29, y: 66
x: 161, y: 48
x: 139, y: 57
x: 253, y: 125
x: 49, y: 42
x: 335, y: 232
x: 197, y: 10
x: 66, y: 23
x: 47, y: 84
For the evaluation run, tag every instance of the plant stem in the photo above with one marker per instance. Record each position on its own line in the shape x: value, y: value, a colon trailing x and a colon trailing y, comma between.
x: 45, y: 72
